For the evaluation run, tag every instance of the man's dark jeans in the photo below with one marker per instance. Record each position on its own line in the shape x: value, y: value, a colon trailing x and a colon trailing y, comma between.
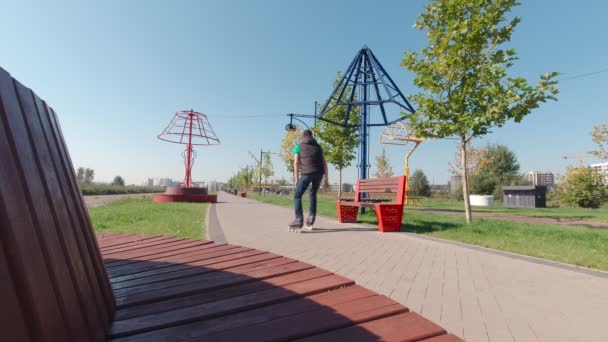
x: 303, y: 183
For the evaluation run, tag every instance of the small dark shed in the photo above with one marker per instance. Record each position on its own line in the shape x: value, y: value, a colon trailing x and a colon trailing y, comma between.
x: 527, y: 196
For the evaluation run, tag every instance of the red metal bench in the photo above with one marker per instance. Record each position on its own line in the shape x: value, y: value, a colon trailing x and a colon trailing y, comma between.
x: 389, y: 213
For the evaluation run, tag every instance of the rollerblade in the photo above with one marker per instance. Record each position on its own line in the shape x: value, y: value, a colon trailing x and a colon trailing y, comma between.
x: 295, y: 226
x: 309, y: 222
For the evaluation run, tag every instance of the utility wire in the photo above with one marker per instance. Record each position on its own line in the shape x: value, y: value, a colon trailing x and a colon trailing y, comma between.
x: 583, y: 75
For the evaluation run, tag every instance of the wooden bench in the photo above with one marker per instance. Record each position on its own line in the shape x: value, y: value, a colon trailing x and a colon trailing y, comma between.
x: 61, y: 282
x: 388, y: 210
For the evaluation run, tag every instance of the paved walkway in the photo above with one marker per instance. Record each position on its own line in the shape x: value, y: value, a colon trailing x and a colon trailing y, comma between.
x: 517, y: 218
x: 474, y: 294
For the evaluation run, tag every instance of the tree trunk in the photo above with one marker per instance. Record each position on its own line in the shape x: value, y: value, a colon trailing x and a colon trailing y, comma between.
x: 465, y: 179
x: 339, y: 183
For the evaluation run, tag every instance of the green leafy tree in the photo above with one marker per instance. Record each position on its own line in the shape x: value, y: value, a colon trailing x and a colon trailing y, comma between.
x: 89, y: 175
x: 497, y: 167
x: 463, y: 74
x: 289, y: 141
x: 80, y: 174
x: 383, y: 166
x: 600, y: 137
x: 267, y: 168
x: 582, y: 187
x: 419, y: 185
x: 339, y: 143
x: 119, y: 181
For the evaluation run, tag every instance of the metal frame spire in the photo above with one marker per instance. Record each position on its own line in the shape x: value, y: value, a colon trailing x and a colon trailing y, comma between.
x: 365, y: 83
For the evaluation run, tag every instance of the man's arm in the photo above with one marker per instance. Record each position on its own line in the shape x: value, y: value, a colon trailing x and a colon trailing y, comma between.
x: 296, y: 168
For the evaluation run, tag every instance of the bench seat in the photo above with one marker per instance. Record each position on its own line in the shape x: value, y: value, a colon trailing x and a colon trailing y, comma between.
x: 388, y: 212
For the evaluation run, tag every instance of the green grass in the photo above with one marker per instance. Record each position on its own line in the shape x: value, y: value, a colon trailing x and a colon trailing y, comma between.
x: 143, y: 216
x: 580, y: 214
x: 581, y: 246
x: 106, y: 189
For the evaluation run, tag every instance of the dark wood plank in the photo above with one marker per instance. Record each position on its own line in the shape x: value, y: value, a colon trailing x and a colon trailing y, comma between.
x: 147, y: 245
x: 182, y: 270
x: 67, y: 260
x: 28, y: 258
x: 403, y: 327
x: 13, y: 325
x: 137, y: 266
x: 220, y: 294
x: 153, y: 250
x: 119, y: 262
x: 120, y: 239
x: 81, y: 214
x: 163, y: 281
x: 131, y: 243
x: 198, y: 284
x: 226, y: 306
x: 234, y: 320
x: 315, y: 322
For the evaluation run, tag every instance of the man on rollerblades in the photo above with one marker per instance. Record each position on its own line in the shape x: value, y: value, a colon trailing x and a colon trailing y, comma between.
x: 309, y: 166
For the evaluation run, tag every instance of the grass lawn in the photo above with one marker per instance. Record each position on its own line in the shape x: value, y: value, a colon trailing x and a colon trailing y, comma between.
x: 581, y: 214
x: 143, y: 216
x: 569, y: 244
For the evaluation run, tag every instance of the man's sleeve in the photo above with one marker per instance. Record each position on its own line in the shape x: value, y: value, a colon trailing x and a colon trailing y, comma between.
x: 296, y: 149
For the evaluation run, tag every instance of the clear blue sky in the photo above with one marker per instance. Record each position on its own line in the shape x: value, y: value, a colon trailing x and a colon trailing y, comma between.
x: 116, y: 71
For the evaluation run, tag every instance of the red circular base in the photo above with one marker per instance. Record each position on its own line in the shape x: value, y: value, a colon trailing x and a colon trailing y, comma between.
x: 184, y: 194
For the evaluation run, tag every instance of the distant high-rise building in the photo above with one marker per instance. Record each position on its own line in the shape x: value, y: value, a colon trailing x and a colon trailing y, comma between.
x: 540, y: 178
x: 164, y: 182
x: 455, y: 183
x: 601, y: 168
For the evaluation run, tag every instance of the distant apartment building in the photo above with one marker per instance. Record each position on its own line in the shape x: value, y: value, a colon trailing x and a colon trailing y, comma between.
x: 601, y: 168
x: 163, y: 182
x: 455, y: 183
x: 148, y: 182
x: 540, y: 178
x: 215, y: 186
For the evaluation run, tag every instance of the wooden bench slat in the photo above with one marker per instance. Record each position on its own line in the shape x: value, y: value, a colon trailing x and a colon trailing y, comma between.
x: 226, y: 306
x: 220, y: 294
x: 184, y: 271
x: 315, y: 322
x: 186, y: 255
x: 167, y: 267
x: 75, y: 203
x: 403, y: 327
x: 202, y: 283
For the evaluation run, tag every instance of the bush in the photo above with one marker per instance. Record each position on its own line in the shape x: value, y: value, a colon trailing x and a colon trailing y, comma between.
x: 104, y: 189
x: 583, y: 188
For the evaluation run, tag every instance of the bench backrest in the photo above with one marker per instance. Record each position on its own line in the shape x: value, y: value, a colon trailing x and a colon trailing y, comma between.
x: 389, y: 185
x: 53, y: 286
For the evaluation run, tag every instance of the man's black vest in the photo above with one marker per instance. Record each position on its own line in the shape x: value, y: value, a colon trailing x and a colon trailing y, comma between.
x: 311, y: 156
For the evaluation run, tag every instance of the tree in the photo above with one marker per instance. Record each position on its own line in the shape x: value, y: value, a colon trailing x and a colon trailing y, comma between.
x: 267, y: 168
x: 583, y: 187
x: 289, y: 141
x: 474, y: 160
x: 80, y: 174
x: 89, y: 175
x: 419, y: 184
x: 119, y: 181
x: 338, y: 143
x: 383, y: 166
x: 463, y: 73
x: 600, y: 137
x: 497, y: 166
